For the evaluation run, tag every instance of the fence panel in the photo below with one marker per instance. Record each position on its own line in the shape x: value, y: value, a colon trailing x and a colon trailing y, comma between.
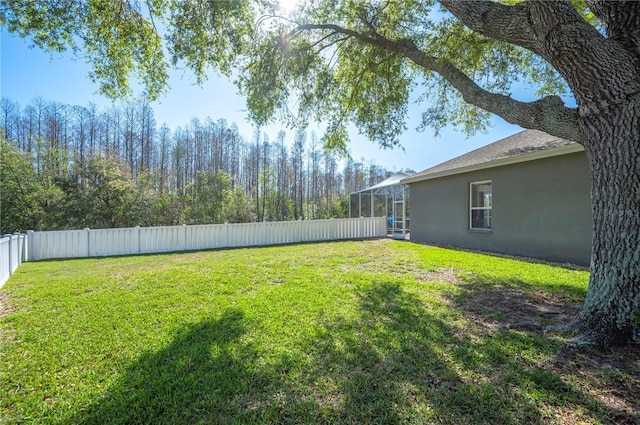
x: 57, y: 244
x: 14, y: 249
x: 205, y: 236
x: 5, y: 255
x: 109, y: 242
x: 161, y: 239
x: 12, y: 254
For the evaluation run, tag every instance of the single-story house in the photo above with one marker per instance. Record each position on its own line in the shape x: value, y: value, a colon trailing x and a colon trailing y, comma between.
x: 525, y: 195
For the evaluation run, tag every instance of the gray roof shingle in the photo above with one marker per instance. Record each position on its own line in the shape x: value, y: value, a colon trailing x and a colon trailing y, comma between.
x: 497, y: 153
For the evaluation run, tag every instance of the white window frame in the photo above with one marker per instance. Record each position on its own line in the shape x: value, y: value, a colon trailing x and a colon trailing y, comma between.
x: 472, y: 208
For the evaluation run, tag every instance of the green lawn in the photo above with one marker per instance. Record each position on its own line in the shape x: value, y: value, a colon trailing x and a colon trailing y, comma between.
x: 347, y: 332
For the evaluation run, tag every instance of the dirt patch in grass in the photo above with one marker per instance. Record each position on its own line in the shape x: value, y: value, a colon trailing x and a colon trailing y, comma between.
x: 7, y: 335
x: 612, y: 377
x: 448, y: 274
x: 5, y: 304
x: 514, y: 308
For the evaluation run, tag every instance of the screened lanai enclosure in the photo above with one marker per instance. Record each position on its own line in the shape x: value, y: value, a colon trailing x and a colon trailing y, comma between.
x: 388, y: 199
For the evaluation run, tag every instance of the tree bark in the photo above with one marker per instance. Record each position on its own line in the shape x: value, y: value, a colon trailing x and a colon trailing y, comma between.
x: 611, y: 313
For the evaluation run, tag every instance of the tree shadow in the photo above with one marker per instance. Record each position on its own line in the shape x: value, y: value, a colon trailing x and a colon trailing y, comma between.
x: 398, y: 362
x: 182, y: 382
x: 401, y: 362
x: 395, y: 361
x: 608, y: 382
x: 419, y: 369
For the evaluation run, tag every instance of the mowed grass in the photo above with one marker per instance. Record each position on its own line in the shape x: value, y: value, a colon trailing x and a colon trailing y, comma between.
x: 357, y: 332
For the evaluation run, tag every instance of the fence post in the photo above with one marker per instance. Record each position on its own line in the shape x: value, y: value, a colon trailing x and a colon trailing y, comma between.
x: 10, y: 254
x: 31, y: 244
x: 299, y: 230
x: 19, y: 248
x: 138, y: 238
x: 332, y: 226
x: 25, y: 248
x: 184, y: 237
x: 86, y: 230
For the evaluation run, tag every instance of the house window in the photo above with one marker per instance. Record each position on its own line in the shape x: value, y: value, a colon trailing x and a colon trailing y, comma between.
x: 480, y: 202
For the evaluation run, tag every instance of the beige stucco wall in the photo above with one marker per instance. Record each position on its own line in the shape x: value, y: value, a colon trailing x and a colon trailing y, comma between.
x: 541, y: 209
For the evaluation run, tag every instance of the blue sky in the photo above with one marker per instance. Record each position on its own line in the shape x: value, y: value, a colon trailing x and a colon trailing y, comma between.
x: 26, y: 73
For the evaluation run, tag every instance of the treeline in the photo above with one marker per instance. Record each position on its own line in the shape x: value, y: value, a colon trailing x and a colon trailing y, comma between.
x: 67, y: 167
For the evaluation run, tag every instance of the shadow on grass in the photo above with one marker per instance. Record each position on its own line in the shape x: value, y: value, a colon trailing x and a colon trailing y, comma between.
x: 396, y: 362
x: 604, y: 386
x: 197, y: 373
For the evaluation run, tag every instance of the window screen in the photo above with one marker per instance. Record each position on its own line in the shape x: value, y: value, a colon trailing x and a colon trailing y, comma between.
x: 480, y: 215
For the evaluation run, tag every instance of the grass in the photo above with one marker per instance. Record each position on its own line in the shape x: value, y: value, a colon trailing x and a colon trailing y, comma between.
x: 345, y: 332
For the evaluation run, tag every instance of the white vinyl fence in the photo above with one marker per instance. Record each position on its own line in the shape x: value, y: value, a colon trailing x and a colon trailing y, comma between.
x: 146, y: 240
x: 13, y: 251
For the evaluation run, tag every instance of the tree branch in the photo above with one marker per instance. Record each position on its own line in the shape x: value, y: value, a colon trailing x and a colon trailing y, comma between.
x: 621, y: 20
x: 593, y: 66
x: 547, y: 114
x: 510, y: 24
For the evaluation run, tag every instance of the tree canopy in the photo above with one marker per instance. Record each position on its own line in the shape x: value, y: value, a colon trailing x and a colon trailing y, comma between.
x: 339, y: 62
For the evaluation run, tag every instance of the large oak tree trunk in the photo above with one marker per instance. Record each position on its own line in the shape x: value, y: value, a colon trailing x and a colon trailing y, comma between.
x: 611, y: 313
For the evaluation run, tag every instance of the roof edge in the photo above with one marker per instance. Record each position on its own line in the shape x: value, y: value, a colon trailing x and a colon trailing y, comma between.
x: 546, y: 153
x: 380, y: 185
